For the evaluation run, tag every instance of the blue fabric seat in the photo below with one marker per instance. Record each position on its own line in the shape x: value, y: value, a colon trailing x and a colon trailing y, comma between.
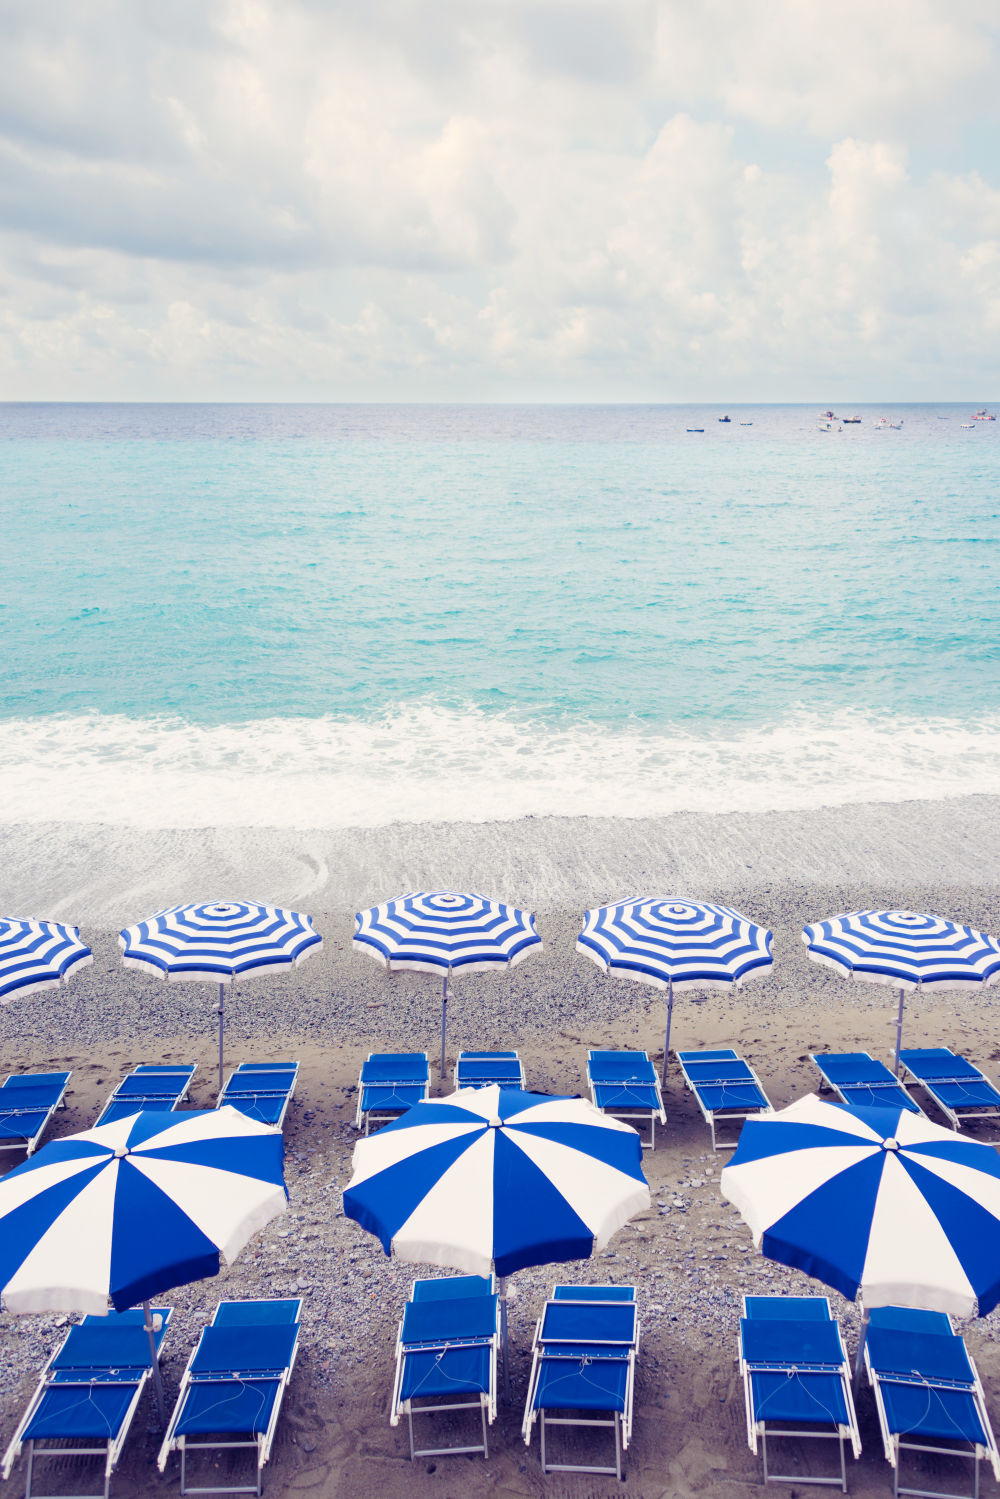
x: 481, y: 1069
x: 961, y: 1091
x: 88, y: 1393
x: 624, y: 1085
x: 796, y: 1379
x: 583, y: 1360
x: 390, y: 1082
x: 725, y: 1087
x: 927, y: 1392
x: 233, y: 1387
x: 446, y: 1357
x: 148, y: 1086
x: 261, y: 1090
x: 27, y: 1103
x: 861, y: 1080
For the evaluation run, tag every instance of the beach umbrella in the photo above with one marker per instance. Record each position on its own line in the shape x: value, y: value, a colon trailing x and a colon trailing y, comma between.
x: 219, y: 942
x: 128, y: 1210
x: 675, y: 943
x: 37, y: 955
x: 492, y: 1180
x: 906, y: 950
x: 877, y: 1202
x: 445, y: 932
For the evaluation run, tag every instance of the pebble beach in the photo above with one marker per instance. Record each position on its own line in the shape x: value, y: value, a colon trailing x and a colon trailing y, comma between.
x: 690, y: 1255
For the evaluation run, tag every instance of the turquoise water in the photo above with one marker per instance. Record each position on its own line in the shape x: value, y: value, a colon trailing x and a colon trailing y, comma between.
x: 519, y: 575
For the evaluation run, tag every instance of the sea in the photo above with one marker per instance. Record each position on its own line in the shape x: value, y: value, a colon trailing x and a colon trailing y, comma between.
x: 352, y: 615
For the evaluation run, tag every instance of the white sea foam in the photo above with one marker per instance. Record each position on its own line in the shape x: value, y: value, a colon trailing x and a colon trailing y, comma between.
x: 427, y: 764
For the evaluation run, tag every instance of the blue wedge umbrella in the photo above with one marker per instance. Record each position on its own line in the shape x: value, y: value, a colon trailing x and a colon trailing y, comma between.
x: 492, y: 1180
x: 444, y: 932
x: 37, y: 955
x: 877, y: 1202
x: 218, y: 942
x: 906, y: 950
x: 675, y: 943
x: 127, y: 1210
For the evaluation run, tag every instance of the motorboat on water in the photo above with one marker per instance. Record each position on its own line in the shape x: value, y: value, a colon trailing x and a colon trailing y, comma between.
x: 694, y: 429
x: 885, y: 425
x: 723, y: 418
x: 983, y: 416
x: 849, y: 421
x: 833, y: 426
x: 827, y: 416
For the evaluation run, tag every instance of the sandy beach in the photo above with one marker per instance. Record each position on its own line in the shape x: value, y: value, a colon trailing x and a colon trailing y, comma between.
x: 690, y: 1256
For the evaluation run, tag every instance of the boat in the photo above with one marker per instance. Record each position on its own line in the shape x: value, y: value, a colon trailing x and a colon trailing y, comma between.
x: 746, y: 424
x: 827, y: 416
x: 694, y: 429
x: 885, y: 425
x: 983, y: 416
x: 969, y: 426
x: 723, y: 418
x: 830, y: 427
x: 850, y: 420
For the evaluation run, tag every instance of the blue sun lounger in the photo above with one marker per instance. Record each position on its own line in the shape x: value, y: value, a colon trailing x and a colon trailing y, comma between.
x: 478, y: 1069
x: 624, y: 1085
x: 796, y: 1379
x: 927, y: 1392
x: 89, y: 1392
x: 725, y: 1088
x: 583, y: 1360
x: 27, y: 1102
x: 231, y: 1392
x: 390, y: 1082
x: 958, y: 1088
x: 148, y: 1087
x: 858, y: 1079
x: 263, y: 1090
x: 446, y: 1357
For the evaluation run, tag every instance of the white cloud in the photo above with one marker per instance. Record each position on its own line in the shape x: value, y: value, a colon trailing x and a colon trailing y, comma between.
x: 520, y: 198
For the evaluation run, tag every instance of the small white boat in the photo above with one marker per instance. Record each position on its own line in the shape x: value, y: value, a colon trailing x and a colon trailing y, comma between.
x: 830, y: 427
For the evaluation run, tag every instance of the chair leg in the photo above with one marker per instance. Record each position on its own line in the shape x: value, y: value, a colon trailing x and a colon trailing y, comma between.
x: 31, y: 1464
x: 618, y: 1447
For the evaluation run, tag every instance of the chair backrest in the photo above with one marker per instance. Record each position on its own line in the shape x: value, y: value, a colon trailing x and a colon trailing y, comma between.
x: 451, y: 1318
x: 396, y: 1067
x: 928, y: 1355
x: 593, y: 1322
x: 788, y: 1308
x: 932, y: 1062
x: 91, y: 1346
x: 620, y: 1066
x: 257, y: 1313
x: 268, y: 1067
x: 38, y: 1082
x: 910, y: 1319
x: 452, y: 1287
x: 593, y: 1293
x: 787, y: 1344
x: 852, y: 1067
x: 246, y: 1350
x: 721, y: 1054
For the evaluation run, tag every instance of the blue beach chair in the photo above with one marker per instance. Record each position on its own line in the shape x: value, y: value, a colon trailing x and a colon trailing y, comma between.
x: 446, y: 1358
x: 480, y: 1069
x: 583, y: 1360
x: 624, y: 1085
x: 262, y: 1090
x: 452, y: 1287
x: 27, y: 1102
x: 231, y: 1392
x: 390, y: 1083
x: 149, y: 1087
x: 958, y: 1088
x: 88, y: 1394
x: 927, y: 1392
x: 796, y: 1379
x: 858, y: 1079
x: 725, y: 1089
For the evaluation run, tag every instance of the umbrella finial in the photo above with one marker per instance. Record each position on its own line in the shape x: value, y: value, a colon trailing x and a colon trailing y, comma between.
x: 890, y: 1144
x: 121, y: 1151
x: 495, y: 1122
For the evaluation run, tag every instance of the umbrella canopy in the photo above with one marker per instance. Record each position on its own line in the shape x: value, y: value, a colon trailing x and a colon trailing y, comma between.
x: 37, y: 955
x: 905, y: 949
x: 493, y: 1179
x: 441, y: 931
x: 675, y: 943
x: 129, y: 1209
x: 218, y: 942
x: 877, y: 1201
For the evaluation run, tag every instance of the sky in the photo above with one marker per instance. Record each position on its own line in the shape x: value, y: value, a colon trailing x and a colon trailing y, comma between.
x: 512, y: 200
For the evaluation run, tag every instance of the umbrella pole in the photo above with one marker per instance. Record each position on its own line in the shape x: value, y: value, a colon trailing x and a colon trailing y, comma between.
x: 222, y: 991
x: 444, y: 1023
x: 670, y: 1015
x: 899, y: 1027
x: 862, y: 1337
x: 154, y: 1360
x: 502, y: 1291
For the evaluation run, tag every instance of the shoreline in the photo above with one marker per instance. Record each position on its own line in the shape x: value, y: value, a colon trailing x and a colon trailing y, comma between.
x: 108, y: 874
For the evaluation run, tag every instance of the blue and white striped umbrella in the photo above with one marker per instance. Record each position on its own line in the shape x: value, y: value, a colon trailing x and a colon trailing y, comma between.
x: 219, y: 941
x: 904, y: 949
x: 127, y: 1210
x: 493, y: 1179
x: 675, y: 943
x: 877, y: 1201
x: 37, y: 955
x: 444, y: 931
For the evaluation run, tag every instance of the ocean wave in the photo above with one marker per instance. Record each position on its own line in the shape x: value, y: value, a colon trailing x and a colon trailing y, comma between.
x: 429, y: 764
